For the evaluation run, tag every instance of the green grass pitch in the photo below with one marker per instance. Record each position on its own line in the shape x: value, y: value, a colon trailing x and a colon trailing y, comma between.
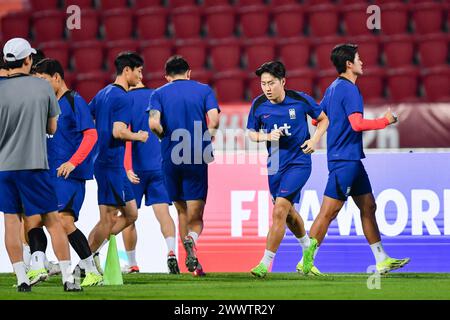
x: 242, y: 286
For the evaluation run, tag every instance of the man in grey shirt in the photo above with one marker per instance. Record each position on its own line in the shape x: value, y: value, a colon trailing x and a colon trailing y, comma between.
x: 28, y: 111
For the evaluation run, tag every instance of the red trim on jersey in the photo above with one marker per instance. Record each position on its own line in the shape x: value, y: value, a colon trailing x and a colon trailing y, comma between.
x: 89, y: 139
x: 314, y: 122
x: 358, y: 123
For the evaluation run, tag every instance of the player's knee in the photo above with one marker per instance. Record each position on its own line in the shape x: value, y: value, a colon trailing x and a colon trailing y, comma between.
x: 370, y: 209
x: 279, y: 214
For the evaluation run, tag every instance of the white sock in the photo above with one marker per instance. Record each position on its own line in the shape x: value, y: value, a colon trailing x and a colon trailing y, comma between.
x: 88, y: 264
x: 132, y: 258
x: 315, y: 254
x: 170, y: 241
x: 268, y: 257
x: 38, y: 260
x: 101, y: 246
x: 21, y: 273
x: 304, y: 241
x: 26, y: 254
x: 194, y: 236
x: 378, y: 252
x: 66, y: 271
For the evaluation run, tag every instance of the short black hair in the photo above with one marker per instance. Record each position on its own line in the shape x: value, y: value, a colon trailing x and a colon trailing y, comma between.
x: 14, y: 64
x: 37, y: 57
x: 128, y: 59
x: 49, y: 67
x: 341, y: 54
x: 275, y: 68
x: 176, y: 65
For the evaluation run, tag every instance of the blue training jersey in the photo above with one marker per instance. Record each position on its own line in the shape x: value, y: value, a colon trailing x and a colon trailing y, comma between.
x: 111, y: 104
x: 289, y: 115
x: 183, y: 105
x: 146, y: 156
x: 75, y: 118
x: 341, y: 99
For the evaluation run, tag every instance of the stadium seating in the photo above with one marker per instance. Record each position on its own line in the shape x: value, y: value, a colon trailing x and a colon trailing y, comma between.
x: 398, y: 50
x: 90, y: 26
x: 294, y: 52
x: 69, y: 79
x: 118, y: 24
x: 288, y: 20
x: 301, y: 79
x: 371, y: 85
x: 394, y: 18
x: 201, y: 75
x: 254, y: 21
x: 151, y: 23
x: 58, y: 50
x: 113, y: 4
x: 48, y: 25
x: 193, y: 50
x: 433, y: 49
x: 154, y: 79
x: 322, y: 48
x: 323, y: 20
x: 83, y: 4
x: 323, y: 79
x: 249, y: 2
x: 253, y: 85
x: 436, y: 82
x: 428, y: 17
x: 258, y: 51
x: 16, y: 24
x: 355, y: 20
x: 141, y: 4
x: 403, y: 84
x: 368, y: 49
x: 92, y: 49
x: 210, y: 3
x: 116, y: 47
x: 181, y: 3
x: 88, y: 84
x: 225, y: 53
x: 43, y: 5
x: 220, y: 21
x: 155, y: 54
x: 230, y: 85
x: 186, y: 22
x: 283, y: 2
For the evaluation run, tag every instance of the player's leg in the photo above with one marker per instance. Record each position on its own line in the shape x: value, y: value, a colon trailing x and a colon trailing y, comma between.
x: 102, y: 230
x: 195, y: 210
x: 129, y: 236
x: 181, y: 207
x: 167, y: 225
x: 129, y: 210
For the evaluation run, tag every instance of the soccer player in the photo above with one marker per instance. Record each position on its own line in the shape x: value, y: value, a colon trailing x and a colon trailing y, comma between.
x: 278, y: 117
x: 29, y: 110
x: 178, y: 117
x: 70, y: 160
x: 143, y: 166
x: 111, y: 108
x: 343, y: 104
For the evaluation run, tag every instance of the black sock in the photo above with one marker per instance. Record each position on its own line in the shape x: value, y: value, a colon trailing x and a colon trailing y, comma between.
x: 80, y: 244
x: 37, y: 239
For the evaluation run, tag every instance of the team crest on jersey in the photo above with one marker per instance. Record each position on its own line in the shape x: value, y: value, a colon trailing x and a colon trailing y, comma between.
x: 292, y: 114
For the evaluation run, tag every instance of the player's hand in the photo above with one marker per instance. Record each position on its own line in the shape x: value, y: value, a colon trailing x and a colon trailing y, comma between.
x: 308, y: 146
x: 133, y: 177
x: 275, y: 135
x: 65, y: 169
x: 143, y: 135
x: 392, y: 118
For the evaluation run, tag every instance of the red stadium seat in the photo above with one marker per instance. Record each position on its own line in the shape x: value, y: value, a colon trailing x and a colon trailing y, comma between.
x: 154, y: 79
x: 371, y: 85
x: 151, y: 23
x: 83, y: 4
x: 58, y: 50
x: 15, y: 25
x: 258, y: 51
x: 319, y: 1
x: 294, y: 52
x: 42, y: 5
x: 211, y: 3
x: 301, y: 79
x: 88, y: 84
x: 398, y: 50
x: 155, y: 54
x: 186, y: 22
x: 181, y: 3
x: 249, y: 2
x: 48, y: 25
x: 283, y: 2
x: 324, y: 78
x: 193, y: 50
x: 428, y: 17
x: 322, y: 48
x: 141, y: 4
x: 254, y: 21
x: 116, y: 47
x: 88, y: 56
x: 113, y: 4
x: 355, y: 2
x: 230, y: 85
x: 118, y: 24
x: 433, y: 49
x: 355, y: 20
x: 89, y: 27
x: 436, y: 82
x: 69, y: 79
x: 253, y: 84
x: 368, y: 49
x: 201, y: 75
x: 225, y: 53
x: 323, y: 20
x: 220, y: 21
x: 403, y: 84
x: 394, y: 18
x: 288, y: 20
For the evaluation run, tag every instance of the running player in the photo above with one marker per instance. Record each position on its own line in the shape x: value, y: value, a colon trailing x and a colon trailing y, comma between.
x: 111, y: 108
x: 143, y: 165
x: 278, y: 117
x: 178, y: 117
x: 343, y: 104
x: 70, y: 160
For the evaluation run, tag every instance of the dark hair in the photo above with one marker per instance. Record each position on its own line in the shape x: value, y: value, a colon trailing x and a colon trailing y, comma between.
x: 37, y: 57
x: 14, y: 64
x: 49, y: 67
x: 176, y: 65
x: 128, y: 59
x: 275, y: 68
x: 2, y: 62
x: 343, y: 53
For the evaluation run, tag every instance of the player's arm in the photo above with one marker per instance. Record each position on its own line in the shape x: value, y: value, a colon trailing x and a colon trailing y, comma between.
x: 359, y: 124
x: 213, y: 121
x: 52, y: 125
x: 121, y: 132
x: 154, y: 121
x: 322, y: 122
x: 260, y: 136
x: 128, y: 162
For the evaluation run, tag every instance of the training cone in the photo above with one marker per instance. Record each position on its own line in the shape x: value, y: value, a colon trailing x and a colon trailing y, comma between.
x: 112, y: 275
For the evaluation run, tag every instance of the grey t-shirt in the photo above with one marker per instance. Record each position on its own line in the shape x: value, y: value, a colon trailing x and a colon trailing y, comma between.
x: 26, y: 104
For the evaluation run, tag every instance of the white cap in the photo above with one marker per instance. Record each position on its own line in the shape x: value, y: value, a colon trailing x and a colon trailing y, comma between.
x: 17, y: 49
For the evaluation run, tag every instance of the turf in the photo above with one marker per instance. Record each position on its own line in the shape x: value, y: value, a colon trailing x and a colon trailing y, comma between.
x: 242, y: 286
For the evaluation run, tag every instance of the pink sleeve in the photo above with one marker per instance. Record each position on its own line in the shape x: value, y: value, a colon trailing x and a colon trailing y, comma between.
x: 86, y: 145
x: 358, y: 123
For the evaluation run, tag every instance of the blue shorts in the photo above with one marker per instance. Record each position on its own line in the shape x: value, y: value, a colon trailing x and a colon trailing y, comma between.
x: 288, y: 183
x: 27, y: 191
x: 347, y: 178
x: 152, y: 186
x: 114, y: 188
x: 70, y: 194
x: 186, y: 181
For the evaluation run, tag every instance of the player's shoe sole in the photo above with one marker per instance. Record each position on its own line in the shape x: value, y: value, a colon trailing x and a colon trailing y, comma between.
x: 172, y: 264
x: 191, y: 258
x: 23, y: 287
x: 391, y: 264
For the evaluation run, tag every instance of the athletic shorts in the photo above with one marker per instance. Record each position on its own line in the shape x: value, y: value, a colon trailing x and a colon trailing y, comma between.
x: 186, y: 182
x: 347, y: 178
x: 288, y: 183
x: 70, y: 194
x: 152, y: 186
x: 113, y: 186
x: 27, y: 191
